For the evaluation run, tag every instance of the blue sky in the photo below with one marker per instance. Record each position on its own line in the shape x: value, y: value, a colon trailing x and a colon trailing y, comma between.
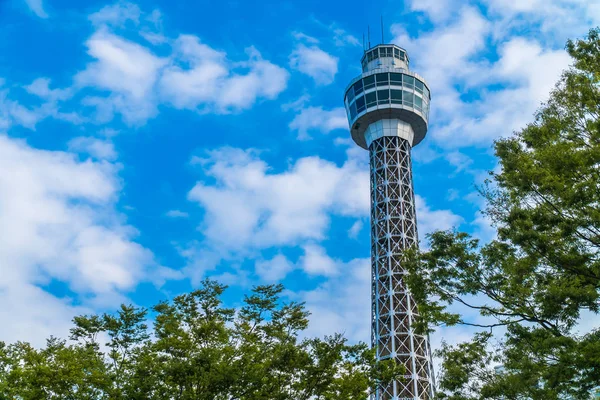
x: 147, y: 145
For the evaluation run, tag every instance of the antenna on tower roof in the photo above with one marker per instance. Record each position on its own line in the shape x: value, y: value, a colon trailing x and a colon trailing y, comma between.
x: 364, y: 50
x: 369, y: 35
x: 382, y: 38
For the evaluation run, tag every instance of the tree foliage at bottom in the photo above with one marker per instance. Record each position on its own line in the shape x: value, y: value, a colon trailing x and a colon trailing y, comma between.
x: 197, y: 349
x: 537, y: 284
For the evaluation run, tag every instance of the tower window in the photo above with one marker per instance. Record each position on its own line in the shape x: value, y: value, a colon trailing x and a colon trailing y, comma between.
x: 396, y: 96
x: 382, y: 79
x: 408, y: 81
x: 352, y: 111
x: 371, y: 99
x: 358, y: 87
x: 418, y: 86
x: 369, y: 82
x: 408, y: 98
x: 383, y: 96
x: 350, y: 94
x: 360, y: 104
x: 418, y: 103
x: 396, y: 78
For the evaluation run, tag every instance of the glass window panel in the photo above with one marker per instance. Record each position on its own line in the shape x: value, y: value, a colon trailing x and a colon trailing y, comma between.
x: 396, y: 78
x: 371, y: 99
x: 426, y: 93
x: 396, y: 96
x: 408, y: 98
x: 370, y: 55
x: 418, y: 102
x: 369, y: 81
x: 402, y: 56
x: 419, y: 85
x: 360, y: 104
x: 383, y: 96
x: 408, y: 80
x: 358, y: 87
x: 352, y: 111
x: 390, y: 52
x: 350, y: 94
x: 382, y: 79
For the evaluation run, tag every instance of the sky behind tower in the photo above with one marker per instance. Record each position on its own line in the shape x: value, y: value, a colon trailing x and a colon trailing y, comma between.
x: 147, y: 145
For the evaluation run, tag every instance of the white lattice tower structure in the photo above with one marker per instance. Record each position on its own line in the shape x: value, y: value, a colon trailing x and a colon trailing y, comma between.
x: 388, y: 108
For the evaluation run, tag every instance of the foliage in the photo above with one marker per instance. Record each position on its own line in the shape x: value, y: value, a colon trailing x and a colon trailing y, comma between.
x: 540, y: 276
x: 197, y: 349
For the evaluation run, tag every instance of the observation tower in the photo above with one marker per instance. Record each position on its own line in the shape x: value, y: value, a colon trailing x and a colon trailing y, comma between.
x: 388, y: 109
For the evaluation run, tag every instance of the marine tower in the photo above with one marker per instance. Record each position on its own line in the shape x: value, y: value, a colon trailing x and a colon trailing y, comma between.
x: 388, y: 109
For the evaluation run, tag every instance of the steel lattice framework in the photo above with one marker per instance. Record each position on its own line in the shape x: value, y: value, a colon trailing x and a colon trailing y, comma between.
x: 388, y: 111
x: 393, y: 229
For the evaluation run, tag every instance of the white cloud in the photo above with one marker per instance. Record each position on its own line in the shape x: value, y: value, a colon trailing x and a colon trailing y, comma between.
x: 97, y: 148
x: 342, y: 303
x: 521, y: 75
x: 117, y: 14
x: 14, y: 113
x: 60, y: 224
x: 128, y: 70
x: 262, y: 209
x: 317, y: 119
x: 195, y: 77
x: 314, y: 62
x: 202, y: 78
x: 300, y: 36
x: 37, y: 6
x: 343, y: 38
x: 437, y: 10
x: 355, y: 229
x: 275, y: 269
x: 315, y: 261
x: 458, y: 160
x: 177, y: 214
x: 431, y: 220
x: 41, y: 88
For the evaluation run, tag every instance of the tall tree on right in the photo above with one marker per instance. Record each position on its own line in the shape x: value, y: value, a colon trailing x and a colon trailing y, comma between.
x: 540, y: 277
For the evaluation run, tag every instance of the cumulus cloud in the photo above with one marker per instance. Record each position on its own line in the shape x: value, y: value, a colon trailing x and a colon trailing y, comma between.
x: 13, y: 112
x: 117, y: 14
x: 126, y: 69
x: 342, y: 303
x: 202, y: 77
x: 317, y: 119
x: 263, y: 209
x: 97, y: 148
x: 314, y: 62
x: 37, y: 6
x: 274, y: 269
x: 60, y: 224
x: 194, y: 76
x: 243, y: 198
x: 475, y: 97
x: 177, y: 214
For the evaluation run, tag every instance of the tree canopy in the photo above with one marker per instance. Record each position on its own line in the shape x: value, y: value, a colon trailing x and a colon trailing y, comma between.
x: 540, y: 277
x: 196, y: 349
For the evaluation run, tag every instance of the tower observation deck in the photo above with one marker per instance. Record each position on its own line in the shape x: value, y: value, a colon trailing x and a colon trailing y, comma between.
x: 388, y: 109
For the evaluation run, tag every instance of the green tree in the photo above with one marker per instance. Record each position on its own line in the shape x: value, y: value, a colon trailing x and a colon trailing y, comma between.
x: 196, y: 349
x: 541, y: 275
